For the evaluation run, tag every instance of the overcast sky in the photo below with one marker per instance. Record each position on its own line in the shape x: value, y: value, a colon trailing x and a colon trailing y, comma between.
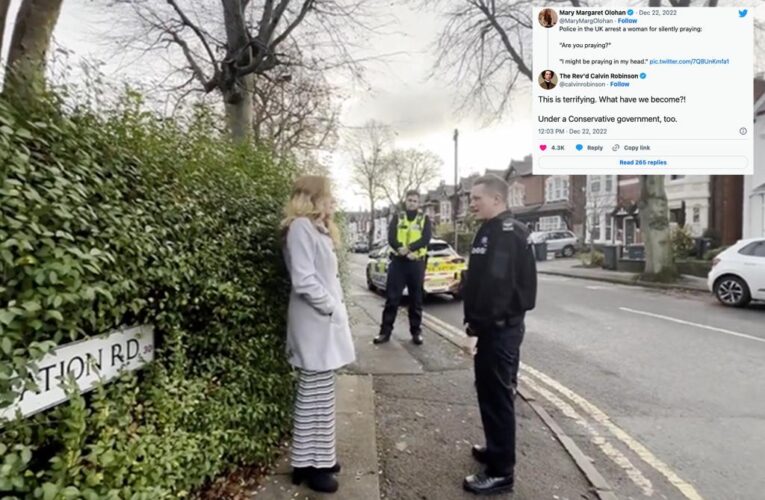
x: 398, y: 92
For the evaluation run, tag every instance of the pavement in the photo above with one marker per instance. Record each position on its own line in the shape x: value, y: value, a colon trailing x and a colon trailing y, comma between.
x: 573, y: 268
x: 407, y: 417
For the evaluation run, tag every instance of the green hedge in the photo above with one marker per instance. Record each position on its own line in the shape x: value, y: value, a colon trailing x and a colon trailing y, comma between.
x: 119, y: 219
x: 694, y: 267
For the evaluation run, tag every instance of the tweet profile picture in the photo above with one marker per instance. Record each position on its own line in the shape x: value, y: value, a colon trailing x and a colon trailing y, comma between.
x: 548, y: 18
x: 548, y: 79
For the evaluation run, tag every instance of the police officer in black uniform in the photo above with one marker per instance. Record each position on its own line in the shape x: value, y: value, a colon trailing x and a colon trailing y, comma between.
x: 501, y: 285
x: 409, y: 234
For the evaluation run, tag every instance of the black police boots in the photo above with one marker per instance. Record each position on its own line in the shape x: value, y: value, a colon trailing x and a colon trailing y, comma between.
x: 417, y: 338
x: 479, y: 453
x: 484, y: 484
x: 381, y: 339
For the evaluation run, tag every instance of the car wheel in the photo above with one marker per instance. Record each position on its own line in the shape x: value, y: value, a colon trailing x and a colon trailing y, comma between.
x: 568, y: 251
x: 732, y: 291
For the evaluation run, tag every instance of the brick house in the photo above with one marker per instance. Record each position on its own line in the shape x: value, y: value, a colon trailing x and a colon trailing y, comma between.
x: 438, y: 204
x: 546, y: 202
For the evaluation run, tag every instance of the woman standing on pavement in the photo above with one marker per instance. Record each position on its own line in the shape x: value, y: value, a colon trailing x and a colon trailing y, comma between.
x: 318, y: 336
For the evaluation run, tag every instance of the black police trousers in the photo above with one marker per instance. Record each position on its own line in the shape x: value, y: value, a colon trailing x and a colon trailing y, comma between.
x: 403, y: 273
x: 496, y: 365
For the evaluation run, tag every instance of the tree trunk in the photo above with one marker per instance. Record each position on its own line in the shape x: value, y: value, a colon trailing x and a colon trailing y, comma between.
x: 32, y: 34
x: 237, y: 90
x: 239, y: 111
x: 371, y: 235
x: 654, y: 224
x: 4, y: 6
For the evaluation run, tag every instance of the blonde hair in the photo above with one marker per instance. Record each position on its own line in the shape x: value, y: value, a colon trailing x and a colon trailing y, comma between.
x: 308, y: 193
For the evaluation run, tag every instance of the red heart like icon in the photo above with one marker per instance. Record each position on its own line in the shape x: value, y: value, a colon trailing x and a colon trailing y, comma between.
x: 543, y: 146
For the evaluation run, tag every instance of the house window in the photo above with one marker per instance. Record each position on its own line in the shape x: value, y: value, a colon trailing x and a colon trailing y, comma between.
x: 629, y: 231
x: 609, y: 227
x: 696, y: 215
x: 463, y: 201
x: 675, y: 177
x: 595, y: 231
x: 556, y: 188
x: 517, y: 195
x: 609, y: 183
x: 551, y: 223
x: 446, y: 211
x: 595, y: 184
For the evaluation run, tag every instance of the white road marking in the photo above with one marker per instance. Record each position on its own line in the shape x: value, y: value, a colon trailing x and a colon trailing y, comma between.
x: 697, y: 325
x: 602, y: 418
x: 605, y: 446
x: 598, y: 415
x: 455, y: 334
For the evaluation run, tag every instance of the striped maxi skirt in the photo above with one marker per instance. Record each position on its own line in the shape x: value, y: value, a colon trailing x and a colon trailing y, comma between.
x: 313, y: 436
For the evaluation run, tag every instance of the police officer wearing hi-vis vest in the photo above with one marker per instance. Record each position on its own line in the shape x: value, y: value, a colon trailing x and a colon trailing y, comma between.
x: 501, y: 285
x: 408, y: 236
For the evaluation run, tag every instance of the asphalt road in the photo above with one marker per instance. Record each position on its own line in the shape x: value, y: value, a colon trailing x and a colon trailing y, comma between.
x: 664, y: 391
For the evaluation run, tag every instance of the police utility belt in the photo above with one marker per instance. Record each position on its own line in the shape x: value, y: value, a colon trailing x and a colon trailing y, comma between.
x: 497, y: 324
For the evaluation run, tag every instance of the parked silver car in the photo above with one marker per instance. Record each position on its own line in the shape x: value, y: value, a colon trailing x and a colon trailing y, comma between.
x: 561, y: 242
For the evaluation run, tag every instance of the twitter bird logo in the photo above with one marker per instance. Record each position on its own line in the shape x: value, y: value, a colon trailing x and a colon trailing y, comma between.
x: 743, y: 12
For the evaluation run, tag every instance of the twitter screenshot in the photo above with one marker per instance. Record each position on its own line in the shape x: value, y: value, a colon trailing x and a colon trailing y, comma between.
x: 638, y: 91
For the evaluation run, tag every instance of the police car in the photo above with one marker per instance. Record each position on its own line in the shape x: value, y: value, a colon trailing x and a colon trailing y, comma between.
x: 444, y: 272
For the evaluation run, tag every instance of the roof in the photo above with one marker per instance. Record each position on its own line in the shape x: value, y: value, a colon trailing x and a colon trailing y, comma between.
x: 498, y: 173
x: 520, y: 168
x: 443, y: 191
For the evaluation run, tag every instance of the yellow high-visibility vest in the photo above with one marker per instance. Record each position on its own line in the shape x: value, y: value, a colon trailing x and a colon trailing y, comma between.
x: 409, y: 232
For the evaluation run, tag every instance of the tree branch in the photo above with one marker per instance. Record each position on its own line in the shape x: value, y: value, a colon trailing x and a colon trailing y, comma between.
x: 517, y: 59
x: 187, y: 22
x: 307, y: 4
x: 209, y: 85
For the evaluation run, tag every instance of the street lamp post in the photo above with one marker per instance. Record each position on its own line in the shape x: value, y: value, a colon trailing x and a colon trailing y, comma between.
x: 456, y: 194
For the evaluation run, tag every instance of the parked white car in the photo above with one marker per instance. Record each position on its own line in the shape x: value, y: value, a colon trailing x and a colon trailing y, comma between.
x: 562, y: 242
x: 738, y: 274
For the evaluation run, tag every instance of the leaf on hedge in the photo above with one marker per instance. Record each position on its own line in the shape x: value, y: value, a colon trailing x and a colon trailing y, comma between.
x: 6, y: 345
x: 23, y: 133
x: 55, y: 315
x: 31, y: 306
x: 7, y: 316
x: 26, y: 455
x: 49, y: 491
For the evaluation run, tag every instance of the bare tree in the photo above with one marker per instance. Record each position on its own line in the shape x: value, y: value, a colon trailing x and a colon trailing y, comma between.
x: 409, y: 169
x: 232, y: 47
x: 297, y: 116
x: 32, y: 33
x: 368, y: 147
x: 485, y: 49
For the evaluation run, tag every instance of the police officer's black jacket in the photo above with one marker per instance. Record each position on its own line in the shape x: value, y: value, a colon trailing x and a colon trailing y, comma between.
x: 501, y: 281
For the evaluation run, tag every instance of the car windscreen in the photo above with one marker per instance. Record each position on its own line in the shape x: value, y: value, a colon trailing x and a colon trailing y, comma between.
x: 440, y: 250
